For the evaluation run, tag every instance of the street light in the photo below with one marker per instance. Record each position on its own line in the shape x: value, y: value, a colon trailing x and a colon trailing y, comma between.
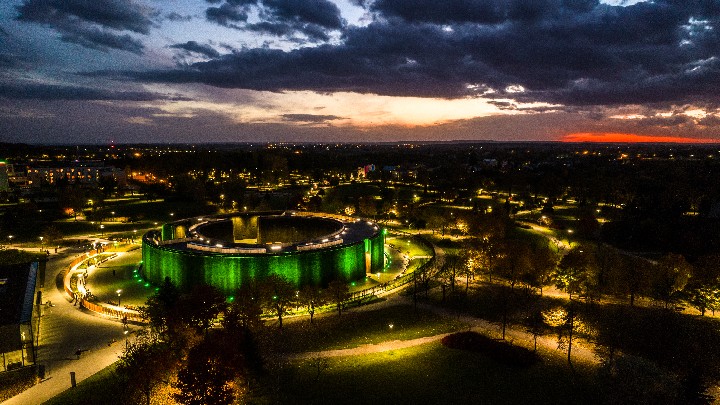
x: 41, y: 243
x: 102, y: 230
x: 118, y: 293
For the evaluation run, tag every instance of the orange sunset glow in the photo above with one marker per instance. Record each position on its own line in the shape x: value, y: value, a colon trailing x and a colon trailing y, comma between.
x: 614, y: 137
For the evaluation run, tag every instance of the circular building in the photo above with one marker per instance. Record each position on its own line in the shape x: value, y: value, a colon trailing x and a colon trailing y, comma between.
x: 227, y: 250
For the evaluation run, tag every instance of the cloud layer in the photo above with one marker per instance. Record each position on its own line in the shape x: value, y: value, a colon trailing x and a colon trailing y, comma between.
x: 93, y: 24
x: 556, y: 51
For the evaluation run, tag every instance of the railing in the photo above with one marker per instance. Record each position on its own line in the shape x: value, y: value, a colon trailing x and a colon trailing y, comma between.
x: 217, y: 249
x: 398, y: 281
x: 173, y: 241
x: 130, y: 315
x: 112, y: 312
x: 313, y: 246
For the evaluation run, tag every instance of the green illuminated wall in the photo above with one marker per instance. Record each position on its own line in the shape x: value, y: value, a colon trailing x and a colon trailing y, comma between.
x: 227, y: 272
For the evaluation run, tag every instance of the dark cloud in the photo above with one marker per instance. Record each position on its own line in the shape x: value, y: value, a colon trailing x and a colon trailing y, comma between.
x: 314, y: 118
x: 709, y: 121
x: 59, y: 92
x: 192, y: 46
x: 282, y: 18
x: 573, y: 52
x: 660, y: 121
x: 102, y: 40
x: 92, y: 24
x: 318, y: 12
x: 119, y: 14
x: 442, y: 12
x: 178, y: 17
x: 226, y: 15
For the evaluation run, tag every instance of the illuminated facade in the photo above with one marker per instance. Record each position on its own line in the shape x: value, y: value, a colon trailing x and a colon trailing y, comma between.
x: 226, y: 251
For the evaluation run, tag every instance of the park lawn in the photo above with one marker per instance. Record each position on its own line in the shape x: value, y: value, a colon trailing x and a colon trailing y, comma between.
x: 434, y: 374
x: 101, y: 388
x: 357, y: 328
x: 406, y: 245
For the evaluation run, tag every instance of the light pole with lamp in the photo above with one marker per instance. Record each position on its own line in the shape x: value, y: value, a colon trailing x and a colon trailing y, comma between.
x: 102, y: 230
x: 41, y: 243
x: 118, y: 293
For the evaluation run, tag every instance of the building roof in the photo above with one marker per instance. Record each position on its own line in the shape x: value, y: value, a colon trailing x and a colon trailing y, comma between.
x: 17, y: 289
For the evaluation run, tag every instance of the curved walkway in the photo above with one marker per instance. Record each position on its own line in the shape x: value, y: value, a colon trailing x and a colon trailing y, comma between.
x: 516, y: 335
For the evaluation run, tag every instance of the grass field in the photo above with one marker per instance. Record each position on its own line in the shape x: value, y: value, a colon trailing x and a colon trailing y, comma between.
x: 101, y: 388
x: 434, y: 374
x: 361, y: 327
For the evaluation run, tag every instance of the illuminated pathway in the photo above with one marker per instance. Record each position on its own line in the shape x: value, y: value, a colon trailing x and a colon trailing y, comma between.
x: 546, y: 344
x: 64, y: 329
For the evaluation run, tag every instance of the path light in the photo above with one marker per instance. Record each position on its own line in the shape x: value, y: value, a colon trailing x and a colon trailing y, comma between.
x: 118, y: 293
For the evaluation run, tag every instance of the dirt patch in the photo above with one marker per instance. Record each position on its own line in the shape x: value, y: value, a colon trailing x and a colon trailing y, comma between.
x: 500, y: 351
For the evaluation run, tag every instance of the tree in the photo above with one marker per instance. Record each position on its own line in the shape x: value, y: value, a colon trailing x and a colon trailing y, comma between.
x: 629, y: 277
x: 246, y: 307
x: 515, y: 261
x: 161, y: 309
x: 575, y: 273
x: 200, y: 308
x: 281, y: 296
x: 703, y: 289
x: 448, y: 272
x: 542, y: 262
x: 311, y: 297
x: 704, y: 297
x: 338, y: 293
x: 535, y: 325
x: 144, y: 365
x: 671, y: 274
x: 51, y: 235
x: 471, y: 262
x: 368, y: 206
x: 206, y: 379
x: 563, y: 319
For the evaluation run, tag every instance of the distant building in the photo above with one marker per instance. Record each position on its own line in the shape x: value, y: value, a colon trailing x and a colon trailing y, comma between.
x: 19, y: 284
x: 6, y: 170
x: 75, y: 172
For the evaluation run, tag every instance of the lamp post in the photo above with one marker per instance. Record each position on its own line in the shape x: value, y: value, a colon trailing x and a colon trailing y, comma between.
x: 41, y: 243
x: 134, y: 233
x: 118, y: 293
x: 102, y: 230
x: 10, y: 239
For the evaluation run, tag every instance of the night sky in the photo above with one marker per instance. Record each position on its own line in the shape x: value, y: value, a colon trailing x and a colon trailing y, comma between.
x: 156, y: 71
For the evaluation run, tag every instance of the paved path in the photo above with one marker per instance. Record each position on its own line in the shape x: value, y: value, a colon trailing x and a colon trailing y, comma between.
x: 64, y: 329
x: 514, y: 334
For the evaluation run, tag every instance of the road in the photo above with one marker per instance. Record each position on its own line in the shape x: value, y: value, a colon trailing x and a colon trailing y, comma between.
x: 64, y: 329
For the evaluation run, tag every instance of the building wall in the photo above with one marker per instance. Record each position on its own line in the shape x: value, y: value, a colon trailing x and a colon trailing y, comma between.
x: 227, y: 272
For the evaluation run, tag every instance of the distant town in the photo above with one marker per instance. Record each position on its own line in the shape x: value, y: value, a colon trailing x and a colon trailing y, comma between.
x: 355, y: 273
